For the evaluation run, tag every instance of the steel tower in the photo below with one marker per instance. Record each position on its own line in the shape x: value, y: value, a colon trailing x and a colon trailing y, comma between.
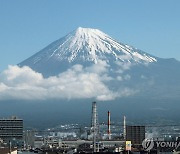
x: 124, y: 126
x: 95, y: 126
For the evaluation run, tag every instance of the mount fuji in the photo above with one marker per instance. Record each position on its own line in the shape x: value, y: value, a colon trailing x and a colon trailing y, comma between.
x: 129, y: 67
x: 84, y: 46
x: 93, y: 65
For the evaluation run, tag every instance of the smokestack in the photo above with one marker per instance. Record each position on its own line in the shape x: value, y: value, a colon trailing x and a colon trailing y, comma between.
x: 109, y: 125
x: 94, y: 126
x: 124, y: 125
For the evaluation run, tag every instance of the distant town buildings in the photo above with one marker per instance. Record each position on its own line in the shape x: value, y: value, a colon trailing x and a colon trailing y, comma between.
x: 97, y: 137
x: 29, y: 139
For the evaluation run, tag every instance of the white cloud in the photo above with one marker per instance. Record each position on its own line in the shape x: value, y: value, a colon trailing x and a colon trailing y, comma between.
x: 24, y: 83
x: 75, y: 83
x: 125, y: 77
x: 127, y: 92
x: 124, y: 66
x: 15, y: 75
x: 100, y: 68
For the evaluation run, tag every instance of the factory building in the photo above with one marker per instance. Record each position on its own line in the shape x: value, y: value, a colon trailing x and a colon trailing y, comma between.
x: 135, y: 134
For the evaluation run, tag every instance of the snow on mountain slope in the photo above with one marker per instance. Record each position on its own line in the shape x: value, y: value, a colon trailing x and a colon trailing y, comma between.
x: 87, y: 45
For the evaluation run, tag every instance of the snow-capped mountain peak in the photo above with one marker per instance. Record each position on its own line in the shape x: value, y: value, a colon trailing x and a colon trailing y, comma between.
x: 93, y: 44
x: 86, y: 45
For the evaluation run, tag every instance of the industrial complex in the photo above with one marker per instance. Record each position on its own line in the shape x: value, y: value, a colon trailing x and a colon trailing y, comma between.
x: 73, y: 138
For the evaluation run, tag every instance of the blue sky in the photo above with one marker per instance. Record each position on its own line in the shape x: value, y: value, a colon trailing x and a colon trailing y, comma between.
x: 26, y: 26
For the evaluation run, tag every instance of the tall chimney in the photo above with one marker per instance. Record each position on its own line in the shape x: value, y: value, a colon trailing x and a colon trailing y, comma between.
x: 109, y: 125
x: 95, y: 126
x: 124, y: 125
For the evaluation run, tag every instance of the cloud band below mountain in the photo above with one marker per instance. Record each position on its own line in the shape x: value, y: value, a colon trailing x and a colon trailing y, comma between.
x: 75, y: 83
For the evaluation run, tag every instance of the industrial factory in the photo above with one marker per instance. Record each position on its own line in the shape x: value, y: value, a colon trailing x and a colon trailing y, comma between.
x: 72, y: 138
